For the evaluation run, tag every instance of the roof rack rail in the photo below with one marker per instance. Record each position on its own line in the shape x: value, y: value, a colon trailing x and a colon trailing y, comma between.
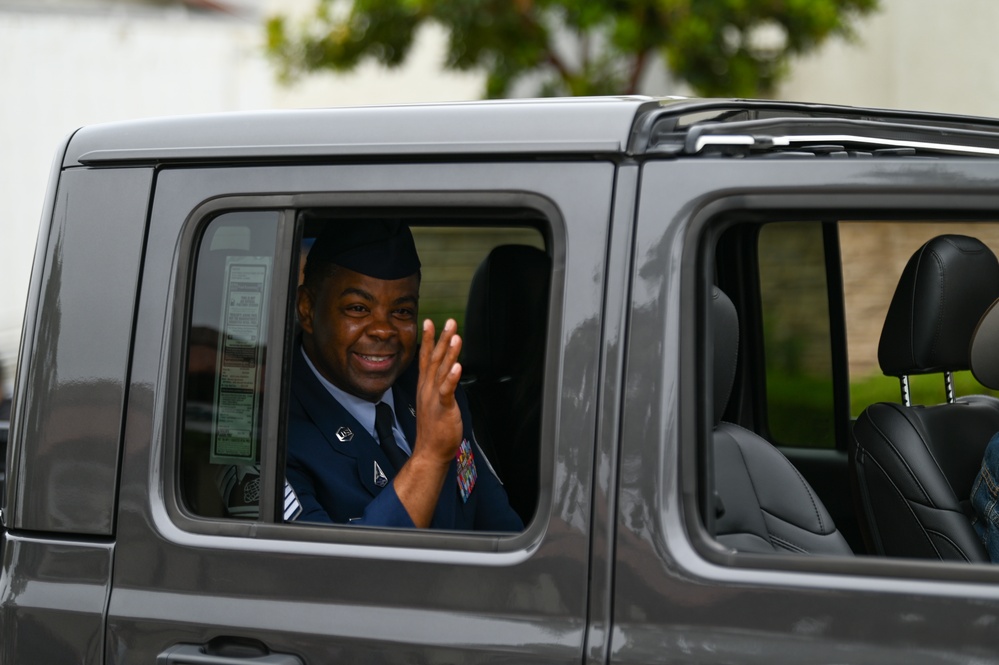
x: 750, y: 128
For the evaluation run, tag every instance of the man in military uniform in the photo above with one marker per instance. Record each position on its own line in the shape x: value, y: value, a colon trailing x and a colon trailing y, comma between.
x: 374, y: 437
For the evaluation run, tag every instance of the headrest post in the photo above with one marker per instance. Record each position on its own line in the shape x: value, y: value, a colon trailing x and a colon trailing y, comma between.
x: 949, y: 387
x: 904, y: 384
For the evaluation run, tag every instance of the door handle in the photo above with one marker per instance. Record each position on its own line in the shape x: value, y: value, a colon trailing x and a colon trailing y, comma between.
x: 221, y: 651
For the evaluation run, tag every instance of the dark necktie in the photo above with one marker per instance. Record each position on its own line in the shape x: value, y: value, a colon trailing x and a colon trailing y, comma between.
x: 383, y: 426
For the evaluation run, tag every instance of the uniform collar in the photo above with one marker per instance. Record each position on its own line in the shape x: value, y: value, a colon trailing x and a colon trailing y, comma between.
x: 362, y: 410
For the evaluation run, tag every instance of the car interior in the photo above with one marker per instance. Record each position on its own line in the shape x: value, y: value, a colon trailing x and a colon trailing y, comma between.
x: 503, y: 363
x: 914, y: 465
x: 899, y: 483
x: 761, y: 502
x: 488, y: 270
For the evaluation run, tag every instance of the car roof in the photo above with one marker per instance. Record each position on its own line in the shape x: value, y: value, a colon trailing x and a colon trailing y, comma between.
x: 557, y: 126
x: 583, y: 125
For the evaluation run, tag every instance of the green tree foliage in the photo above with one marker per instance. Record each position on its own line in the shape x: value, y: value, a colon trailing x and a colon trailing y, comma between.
x: 573, y: 47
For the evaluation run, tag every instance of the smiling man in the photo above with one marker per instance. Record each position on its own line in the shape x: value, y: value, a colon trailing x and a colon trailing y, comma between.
x: 374, y: 437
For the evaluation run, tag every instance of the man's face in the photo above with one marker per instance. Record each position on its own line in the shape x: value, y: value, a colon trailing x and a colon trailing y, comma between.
x: 359, y: 331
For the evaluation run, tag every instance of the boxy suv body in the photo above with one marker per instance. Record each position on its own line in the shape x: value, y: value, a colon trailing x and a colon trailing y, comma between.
x: 678, y: 339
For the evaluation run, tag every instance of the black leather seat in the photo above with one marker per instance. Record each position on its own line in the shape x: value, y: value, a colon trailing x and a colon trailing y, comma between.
x: 763, y: 504
x: 912, y: 467
x: 503, y: 365
x: 984, y: 350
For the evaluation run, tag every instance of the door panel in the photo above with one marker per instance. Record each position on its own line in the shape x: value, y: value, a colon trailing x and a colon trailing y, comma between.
x: 53, y: 597
x: 681, y: 598
x: 350, y: 595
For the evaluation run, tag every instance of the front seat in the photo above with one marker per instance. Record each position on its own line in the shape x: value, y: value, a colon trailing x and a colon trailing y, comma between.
x: 762, y: 503
x: 503, y: 358
x: 912, y: 467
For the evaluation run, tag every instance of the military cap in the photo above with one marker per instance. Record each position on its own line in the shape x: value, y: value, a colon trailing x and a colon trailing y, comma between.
x: 379, y: 248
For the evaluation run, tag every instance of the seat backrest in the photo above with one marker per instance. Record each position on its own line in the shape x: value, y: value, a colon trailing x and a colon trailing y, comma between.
x: 762, y: 503
x: 503, y: 365
x: 912, y: 467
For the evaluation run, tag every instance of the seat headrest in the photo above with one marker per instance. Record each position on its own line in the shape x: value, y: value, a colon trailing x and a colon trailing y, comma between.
x: 984, y: 350
x: 725, y: 330
x: 507, y: 312
x: 944, y: 289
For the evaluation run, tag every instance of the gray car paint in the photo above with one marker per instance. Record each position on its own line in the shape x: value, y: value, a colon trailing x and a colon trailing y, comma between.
x: 615, y: 570
x: 680, y: 599
x: 76, y: 383
x: 448, y: 604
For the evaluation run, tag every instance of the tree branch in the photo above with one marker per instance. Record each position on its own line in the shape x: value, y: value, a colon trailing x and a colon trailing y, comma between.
x: 637, y: 69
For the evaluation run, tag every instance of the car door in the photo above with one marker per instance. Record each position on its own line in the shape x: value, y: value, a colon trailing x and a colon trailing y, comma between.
x: 192, y: 584
x: 679, y: 595
x: 62, y: 466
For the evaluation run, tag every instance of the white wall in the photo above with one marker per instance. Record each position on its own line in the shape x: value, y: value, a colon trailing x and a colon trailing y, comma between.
x: 913, y: 54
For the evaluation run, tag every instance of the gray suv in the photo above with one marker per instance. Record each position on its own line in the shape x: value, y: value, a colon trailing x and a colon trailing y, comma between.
x: 716, y: 351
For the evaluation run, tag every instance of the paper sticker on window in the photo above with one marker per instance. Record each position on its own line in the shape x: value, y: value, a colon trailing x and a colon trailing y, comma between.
x: 238, y: 384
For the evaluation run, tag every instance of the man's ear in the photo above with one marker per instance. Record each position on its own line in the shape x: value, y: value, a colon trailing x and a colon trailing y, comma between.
x: 304, y: 305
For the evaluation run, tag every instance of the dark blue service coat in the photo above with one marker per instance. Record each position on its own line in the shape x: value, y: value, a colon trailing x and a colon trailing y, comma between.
x: 335, y: 476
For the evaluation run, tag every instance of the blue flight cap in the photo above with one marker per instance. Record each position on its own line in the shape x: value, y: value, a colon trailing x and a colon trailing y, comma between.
x: 379, y: 248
